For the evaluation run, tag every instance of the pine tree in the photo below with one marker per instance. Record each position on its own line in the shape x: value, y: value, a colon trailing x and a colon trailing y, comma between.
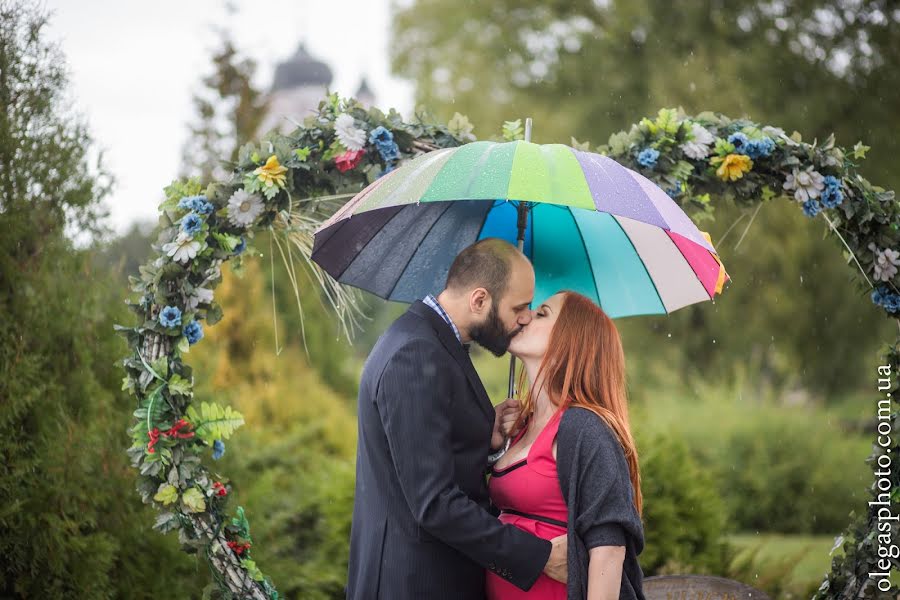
x: 70, y: 522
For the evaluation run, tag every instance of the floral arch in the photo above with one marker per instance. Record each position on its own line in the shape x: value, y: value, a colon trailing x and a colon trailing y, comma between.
x: 290, y: 183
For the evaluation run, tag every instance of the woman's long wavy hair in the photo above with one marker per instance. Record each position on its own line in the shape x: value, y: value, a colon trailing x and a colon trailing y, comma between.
x: 585, y: 366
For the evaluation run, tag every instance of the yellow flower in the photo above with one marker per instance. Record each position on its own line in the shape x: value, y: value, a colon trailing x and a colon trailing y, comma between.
x: 272, y: 173
x: 733, y: 166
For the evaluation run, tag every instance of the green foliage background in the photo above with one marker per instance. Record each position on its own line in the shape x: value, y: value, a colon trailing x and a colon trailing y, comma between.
x: 720, y: 450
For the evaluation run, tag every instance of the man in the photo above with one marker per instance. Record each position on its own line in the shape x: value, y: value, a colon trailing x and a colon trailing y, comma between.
x: 421, y: 522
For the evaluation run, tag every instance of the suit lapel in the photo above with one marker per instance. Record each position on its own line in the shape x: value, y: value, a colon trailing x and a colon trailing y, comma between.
x: 448, y: 339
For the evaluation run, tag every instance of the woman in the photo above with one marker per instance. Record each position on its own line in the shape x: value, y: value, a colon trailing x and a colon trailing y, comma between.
x: 573, y: 467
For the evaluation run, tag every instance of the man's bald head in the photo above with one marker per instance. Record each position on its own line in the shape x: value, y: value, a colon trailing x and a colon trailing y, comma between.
x: 489, y: 288
x: 487, y: 263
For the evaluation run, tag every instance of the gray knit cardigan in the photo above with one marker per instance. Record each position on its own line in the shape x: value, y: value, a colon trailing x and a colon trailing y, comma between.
x: 594, y: 477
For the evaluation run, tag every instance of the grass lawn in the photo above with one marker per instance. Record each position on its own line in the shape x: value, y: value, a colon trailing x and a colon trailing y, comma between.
x: 790, y: 566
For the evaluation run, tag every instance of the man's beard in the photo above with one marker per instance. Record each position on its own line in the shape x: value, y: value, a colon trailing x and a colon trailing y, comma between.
x: 491, y: 334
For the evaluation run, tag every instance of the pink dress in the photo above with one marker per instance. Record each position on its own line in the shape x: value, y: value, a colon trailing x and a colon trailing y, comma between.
x: 529, y: 496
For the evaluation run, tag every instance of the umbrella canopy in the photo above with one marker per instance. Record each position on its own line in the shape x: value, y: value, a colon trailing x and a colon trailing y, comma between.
x: 590, y: 225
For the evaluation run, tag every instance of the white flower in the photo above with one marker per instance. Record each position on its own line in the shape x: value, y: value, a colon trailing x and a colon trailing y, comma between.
x: 349, y: 135
x: 183, y: 248
x: 243, y: 208
x: 201, y: 295
x: 886, y: 262
x: 698, y: 147
x: 806, y: 183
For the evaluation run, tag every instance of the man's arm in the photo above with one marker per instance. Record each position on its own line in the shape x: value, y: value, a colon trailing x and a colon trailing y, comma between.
x: 414, y: 407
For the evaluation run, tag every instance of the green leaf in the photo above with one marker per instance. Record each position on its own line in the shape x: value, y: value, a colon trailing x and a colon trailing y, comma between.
x: 160, y: 366
x: 214, y: 422
x: 214, y: 313
x: 302, y: 153
x: 167, y: 494
x: 667, y: 120
x: 513, y: 130
x: 227, y: 241
x: 193, y: 500
x: 619, y: 143
x: 723, y: 147
x: 682, y: 170
x: 179, y: 385
x: 166, y: 521
x: 460, y: 127
x: 860, y: 149
x: 583, y: 146
x: 252, y: 569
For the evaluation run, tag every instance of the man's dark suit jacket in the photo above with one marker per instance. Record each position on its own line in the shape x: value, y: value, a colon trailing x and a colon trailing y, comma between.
x: 421, y: 527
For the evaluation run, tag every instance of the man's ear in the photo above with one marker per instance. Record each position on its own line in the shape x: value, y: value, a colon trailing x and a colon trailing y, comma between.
x: 480, y: 301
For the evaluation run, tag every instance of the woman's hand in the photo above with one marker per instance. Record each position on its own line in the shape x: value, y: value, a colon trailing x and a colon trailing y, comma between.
x: 505, y: 416
x: 605, y: 572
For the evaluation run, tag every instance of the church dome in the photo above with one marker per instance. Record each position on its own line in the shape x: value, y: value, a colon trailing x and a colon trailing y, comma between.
x: 301, y: 70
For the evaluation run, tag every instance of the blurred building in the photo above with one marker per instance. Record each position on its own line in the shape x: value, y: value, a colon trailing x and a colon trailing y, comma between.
x: 300, y: 83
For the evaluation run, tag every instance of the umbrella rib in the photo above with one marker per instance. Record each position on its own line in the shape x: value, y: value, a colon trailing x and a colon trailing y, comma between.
x: 418, y: 246
x: 640, y: 258
x: 588, y: 255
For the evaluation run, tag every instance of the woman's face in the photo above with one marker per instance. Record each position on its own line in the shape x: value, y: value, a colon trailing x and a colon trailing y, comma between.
x: 532, y: 341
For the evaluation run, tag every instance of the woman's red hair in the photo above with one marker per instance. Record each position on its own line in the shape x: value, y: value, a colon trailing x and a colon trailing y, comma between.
x: 585, y: 366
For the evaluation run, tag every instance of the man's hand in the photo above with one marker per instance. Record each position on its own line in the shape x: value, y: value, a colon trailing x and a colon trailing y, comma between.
x: 557, y: 566
x: 506, y: 415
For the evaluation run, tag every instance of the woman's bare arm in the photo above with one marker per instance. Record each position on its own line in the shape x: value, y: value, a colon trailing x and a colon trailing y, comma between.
x: 605, y: 572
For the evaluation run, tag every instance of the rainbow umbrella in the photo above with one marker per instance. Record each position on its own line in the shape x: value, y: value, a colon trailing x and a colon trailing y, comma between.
x: 586, y: 223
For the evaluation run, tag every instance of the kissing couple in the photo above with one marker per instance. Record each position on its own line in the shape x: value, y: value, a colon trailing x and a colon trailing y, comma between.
x: 436, y: 516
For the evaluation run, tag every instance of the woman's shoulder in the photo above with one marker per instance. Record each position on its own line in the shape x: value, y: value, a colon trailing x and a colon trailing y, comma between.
x: 584, y: 431
x: 577, y: 419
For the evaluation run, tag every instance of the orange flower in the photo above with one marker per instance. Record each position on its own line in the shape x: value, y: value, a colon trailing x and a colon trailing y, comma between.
x: 272, y: 173
x: 732, y: 166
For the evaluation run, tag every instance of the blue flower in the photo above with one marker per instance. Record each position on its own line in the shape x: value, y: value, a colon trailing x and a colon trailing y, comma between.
x: 760, y: 147
x: 193, y: 331
x: 832, y: 195
x: 811, y: 207
x: 739, y: 140
x: 882, y: 296
x: 383, y: 140
x: 197, y: 204
x: 191, y: 223
x: 170, y: 316
x: 218, y: 449
x: 241, y: 247
x: 673, y: 192
x: 387, y: 169
x: 892, y: 303
x: 381, y: 135
x: 647, y: 157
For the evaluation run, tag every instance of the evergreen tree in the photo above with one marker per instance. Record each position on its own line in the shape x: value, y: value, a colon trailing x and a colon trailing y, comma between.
x: 70, y: 523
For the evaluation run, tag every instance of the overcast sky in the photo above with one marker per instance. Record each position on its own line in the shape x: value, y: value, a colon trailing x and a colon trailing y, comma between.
x: 135, y: 65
